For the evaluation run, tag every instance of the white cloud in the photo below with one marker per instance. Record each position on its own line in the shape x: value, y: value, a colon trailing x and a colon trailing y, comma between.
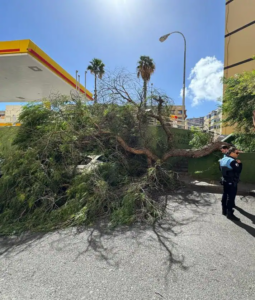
x: 205, y: 81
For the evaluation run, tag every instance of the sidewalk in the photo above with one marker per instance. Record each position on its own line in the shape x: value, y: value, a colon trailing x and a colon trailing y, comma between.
x: 244, y: 189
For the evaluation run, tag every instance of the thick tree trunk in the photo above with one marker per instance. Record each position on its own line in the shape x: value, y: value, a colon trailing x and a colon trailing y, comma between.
x: 173, y: 153
x: 208, y: 149
x: 145, y: 93
x: 148, y: 153
x: 152, y: 158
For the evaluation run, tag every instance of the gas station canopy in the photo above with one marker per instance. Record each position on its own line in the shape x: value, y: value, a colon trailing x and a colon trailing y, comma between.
x: 29, y: 74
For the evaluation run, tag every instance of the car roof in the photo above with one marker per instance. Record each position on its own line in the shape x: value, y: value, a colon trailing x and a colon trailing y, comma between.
x: 94, y: 156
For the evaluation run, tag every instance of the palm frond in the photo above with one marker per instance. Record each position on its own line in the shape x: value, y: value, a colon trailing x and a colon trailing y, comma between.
x: 96, y: 67
x: 145, y: 67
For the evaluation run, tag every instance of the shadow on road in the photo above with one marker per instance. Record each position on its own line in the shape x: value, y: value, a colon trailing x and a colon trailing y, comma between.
x: 248, y: 228
x: 246, y: 214
x: 22, y: 242
x: 181, y: 209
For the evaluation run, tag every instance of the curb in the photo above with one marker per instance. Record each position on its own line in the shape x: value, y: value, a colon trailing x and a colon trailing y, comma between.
x: 252, y: 193
x: 216, y: 189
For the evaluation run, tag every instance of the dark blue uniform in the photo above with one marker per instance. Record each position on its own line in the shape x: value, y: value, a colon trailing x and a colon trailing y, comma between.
x: 224, y: 196
x: 231, y: 171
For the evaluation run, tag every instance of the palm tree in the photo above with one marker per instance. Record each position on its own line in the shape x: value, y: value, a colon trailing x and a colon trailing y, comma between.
x: 145, y: 69
x: 96, y: 67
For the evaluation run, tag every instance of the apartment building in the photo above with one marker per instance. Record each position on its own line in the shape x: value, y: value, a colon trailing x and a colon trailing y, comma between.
x: 212, y: 122
x: 176, y: 116
x: 174, y: 119
x: 196, y: 122
x: 239, y: 40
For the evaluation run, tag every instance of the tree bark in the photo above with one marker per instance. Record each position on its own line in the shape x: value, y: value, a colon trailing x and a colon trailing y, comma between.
x: 194, y: 153
x: 95, y: 96
x: 148, y: 153
x: 145, y: 93
x: 253, y: 118
x: 173, y: 153
x: 151, y: 157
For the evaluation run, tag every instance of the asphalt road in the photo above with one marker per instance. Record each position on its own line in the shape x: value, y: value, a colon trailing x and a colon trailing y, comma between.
x: 194, y: 253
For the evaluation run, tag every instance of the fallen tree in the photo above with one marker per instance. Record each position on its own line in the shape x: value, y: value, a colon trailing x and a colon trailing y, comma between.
x: 41, y: 188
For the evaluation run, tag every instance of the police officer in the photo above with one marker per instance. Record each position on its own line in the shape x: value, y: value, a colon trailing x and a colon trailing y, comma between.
x: 231, y: 169
x: 224, y: 149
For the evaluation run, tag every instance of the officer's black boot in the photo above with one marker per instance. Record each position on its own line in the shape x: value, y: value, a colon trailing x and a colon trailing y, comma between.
x: 231, y: 216
x: 224, y: 211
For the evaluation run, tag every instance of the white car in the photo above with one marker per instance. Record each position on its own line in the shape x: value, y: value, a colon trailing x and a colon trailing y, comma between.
x: 93, y: 162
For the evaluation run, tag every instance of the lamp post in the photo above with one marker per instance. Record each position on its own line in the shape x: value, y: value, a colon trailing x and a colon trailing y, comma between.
x: 162, y: 39
x: 76, y: 73
x: 79, y: 83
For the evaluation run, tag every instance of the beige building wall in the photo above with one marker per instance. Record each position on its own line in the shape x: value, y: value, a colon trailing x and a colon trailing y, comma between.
x: 12, y: 113
x: 239, y: 40
x: 176, y: 110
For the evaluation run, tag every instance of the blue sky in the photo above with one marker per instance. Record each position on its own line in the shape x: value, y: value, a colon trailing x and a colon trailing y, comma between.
x: 73, y: 32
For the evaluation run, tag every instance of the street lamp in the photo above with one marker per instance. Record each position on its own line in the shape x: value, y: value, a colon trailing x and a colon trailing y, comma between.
x: 76, y: 79
x: 162, y: 39
x: 79, y: 83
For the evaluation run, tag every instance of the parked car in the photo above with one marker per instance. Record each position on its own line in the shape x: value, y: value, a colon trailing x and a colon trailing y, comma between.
x: 91, y: 162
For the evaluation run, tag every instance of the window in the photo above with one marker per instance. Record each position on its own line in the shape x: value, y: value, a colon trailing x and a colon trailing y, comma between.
x: 102, y: 159
x: 180, y: 112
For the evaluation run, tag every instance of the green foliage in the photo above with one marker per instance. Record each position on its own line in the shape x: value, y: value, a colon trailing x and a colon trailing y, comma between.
x: 245, y: 142
x: 7, y: 135
x: 96, y: 67
x: 41, y: 189
x: 199, y: 138
x: 239, y: 101
x: 35, y: 121
x: 138, y: 198
x: 145, y: 67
